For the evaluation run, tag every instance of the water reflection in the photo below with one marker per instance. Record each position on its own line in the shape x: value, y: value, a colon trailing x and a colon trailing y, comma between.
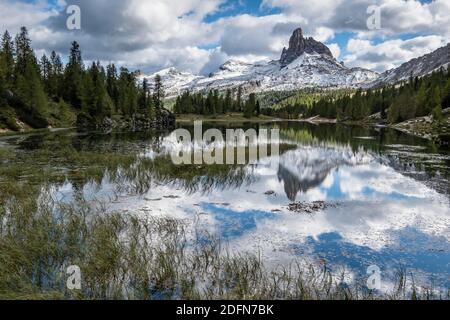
x: 389, y: 191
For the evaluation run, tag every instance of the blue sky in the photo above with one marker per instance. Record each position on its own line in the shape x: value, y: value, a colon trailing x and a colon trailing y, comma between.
x: 199, y: 35
x: 237, y: 7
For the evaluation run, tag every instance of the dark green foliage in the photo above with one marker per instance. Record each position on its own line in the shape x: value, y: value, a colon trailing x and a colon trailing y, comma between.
x: 7, y: 63
x: 250, y: 106
x: 74, y: 91
x: 97, y: 99
x: 158, y: 93
x: 47, y: 93
x: 416, y: 98
x: 127, y: 93
x: 56, y: 76
x: 215, y: 103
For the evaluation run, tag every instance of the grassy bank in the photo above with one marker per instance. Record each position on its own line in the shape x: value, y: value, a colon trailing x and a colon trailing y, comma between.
x: 425, y: 127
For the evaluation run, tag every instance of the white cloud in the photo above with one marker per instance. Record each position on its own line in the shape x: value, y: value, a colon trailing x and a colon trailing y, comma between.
x: 335, y: 50
x: 391, y: 53
x: 159, y: 33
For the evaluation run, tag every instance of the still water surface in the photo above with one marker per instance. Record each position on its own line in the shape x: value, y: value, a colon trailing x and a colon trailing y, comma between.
x: 382, y: 197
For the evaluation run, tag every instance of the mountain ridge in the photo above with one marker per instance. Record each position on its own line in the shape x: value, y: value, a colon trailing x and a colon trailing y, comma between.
x: 306, y: 63
x: 417, y: 67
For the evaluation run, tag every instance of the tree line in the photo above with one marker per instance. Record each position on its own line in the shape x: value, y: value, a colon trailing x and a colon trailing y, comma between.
x: 33, y: 89
x: 214, y: 103
x: 417, y: 97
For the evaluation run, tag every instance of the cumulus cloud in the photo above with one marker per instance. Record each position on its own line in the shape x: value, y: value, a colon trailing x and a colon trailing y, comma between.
x: 148, y: 35
x: 391, y: 53
x: 335, y: 50
x: 216, y: 58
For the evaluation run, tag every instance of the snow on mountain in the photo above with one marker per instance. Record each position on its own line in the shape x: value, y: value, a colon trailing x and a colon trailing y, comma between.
x: 175, y: 82
x: 306, y: 63
x: 417, y: 67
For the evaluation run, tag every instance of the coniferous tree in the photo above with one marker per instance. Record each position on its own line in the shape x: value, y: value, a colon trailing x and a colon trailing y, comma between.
x: 27, y: 78
x: 112, y: 85
x: 56, y: 77
x: 437, y: 104
x: 250, y: 106
x: 446, y: 94
x: 97, y: 100
x: 24, y: 54
x: 421, y: 100
x: 158, y: 94
x: 238, y: 104
x: 228, y: 103
x: 74, y: 80
x: 7, y: 64
x: 46, y: 69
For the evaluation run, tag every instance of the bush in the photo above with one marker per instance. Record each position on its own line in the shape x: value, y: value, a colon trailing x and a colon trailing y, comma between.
x: 8, y: 118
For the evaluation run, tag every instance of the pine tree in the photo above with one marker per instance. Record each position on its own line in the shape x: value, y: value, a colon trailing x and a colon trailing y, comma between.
x: 97, y: 99
x: 7, y: 58
x: 112, y: 85
x: 446, y: 94
x: 228, y: 103
x: 56, y: 76
x: 238, y: 104
x: 158, y: 93
x: 437, y: 104
x: 27, y: 75
x: 144, y: 101
x: 406, y: 104
x: 128, y: 93
x: 74, y: 92
x: 25, y: 57
x: 393, y: 113
x: 46, y: 70
x: 250, y: 106
x: 421, y: 100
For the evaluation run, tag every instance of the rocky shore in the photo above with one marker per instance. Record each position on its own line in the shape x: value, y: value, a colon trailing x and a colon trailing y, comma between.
x: 139, y: 122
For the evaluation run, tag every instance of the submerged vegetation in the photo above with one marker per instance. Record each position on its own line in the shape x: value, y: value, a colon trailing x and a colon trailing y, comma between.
x: 132, y: 255
x: 126, y: 256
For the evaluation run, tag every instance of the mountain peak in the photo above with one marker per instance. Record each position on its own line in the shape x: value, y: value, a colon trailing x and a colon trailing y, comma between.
x: 298, y: 45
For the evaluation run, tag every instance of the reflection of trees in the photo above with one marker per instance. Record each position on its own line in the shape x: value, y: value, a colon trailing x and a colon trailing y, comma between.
x: 434, y: 175
x: 57, y: 158
x: 139, y: 177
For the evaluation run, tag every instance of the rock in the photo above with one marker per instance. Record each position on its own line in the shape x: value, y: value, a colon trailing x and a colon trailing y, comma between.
x: 304, y: 207
x: 417, y: 67
x: 444, y: 139
x: 299, y: 45
x: 171, y: 197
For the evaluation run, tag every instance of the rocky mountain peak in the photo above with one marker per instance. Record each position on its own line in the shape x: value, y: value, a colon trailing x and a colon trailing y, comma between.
x: 299, y: 45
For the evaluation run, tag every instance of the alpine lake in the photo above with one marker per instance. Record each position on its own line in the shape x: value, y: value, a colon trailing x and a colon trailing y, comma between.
x: 344, y: 198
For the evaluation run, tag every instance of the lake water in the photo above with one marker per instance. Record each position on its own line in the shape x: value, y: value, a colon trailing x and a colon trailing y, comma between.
x: 372, y: 196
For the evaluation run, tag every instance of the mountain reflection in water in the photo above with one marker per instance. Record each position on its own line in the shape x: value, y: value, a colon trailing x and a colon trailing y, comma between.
x: 390, y: 191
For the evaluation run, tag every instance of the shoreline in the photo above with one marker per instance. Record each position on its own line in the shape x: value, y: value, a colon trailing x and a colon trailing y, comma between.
x: 422, y: 127
x: 232, y: 117
x: 10, y: 133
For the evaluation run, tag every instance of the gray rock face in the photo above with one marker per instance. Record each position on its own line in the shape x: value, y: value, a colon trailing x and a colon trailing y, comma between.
x: 299, y: 45
x: 417, y: 67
